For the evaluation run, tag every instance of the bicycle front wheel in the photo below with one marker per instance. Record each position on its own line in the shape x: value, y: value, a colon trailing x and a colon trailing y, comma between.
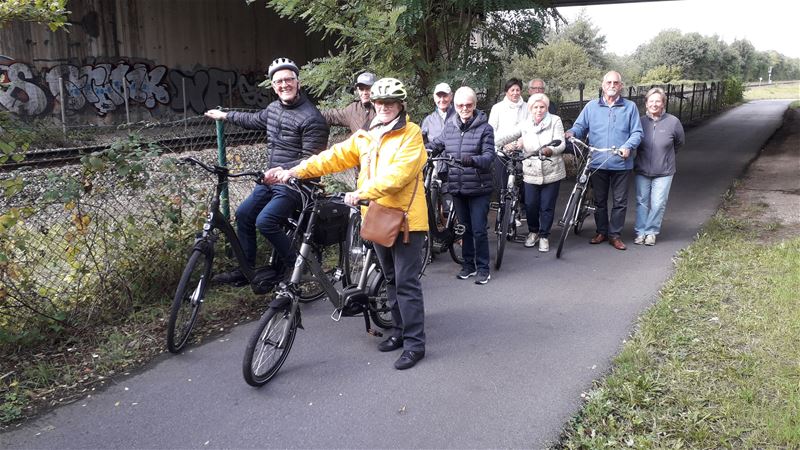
x: 269, y: 346
x: 457, y: 231
x: 188, y: 299
x: 569, y: 218
x: 354, y: 249
x: 506, y: 216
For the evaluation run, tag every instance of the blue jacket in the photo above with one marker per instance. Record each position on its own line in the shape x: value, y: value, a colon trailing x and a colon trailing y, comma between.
x: 294, y: 132
x: 617, y: 126
x: 476, y: 139
x: 433, y: 124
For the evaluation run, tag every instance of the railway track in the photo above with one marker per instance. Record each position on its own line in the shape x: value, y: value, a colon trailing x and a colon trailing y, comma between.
x: 70, y: 155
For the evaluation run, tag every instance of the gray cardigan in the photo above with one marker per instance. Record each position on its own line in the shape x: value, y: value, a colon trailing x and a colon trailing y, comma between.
x: 662, y: 138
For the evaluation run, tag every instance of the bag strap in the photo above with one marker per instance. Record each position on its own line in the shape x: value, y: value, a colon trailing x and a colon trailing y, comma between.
x: 406, y: 237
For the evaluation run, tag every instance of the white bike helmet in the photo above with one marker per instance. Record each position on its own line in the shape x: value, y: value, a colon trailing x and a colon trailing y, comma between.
x: 281, y: 64
x: 388, y: 89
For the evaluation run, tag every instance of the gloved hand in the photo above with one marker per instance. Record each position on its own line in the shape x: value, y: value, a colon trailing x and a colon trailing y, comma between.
x: 547, y: 152
x: 467, y: 161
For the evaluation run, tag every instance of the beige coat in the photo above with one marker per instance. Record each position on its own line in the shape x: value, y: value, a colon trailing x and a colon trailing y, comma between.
x: 534, y: 170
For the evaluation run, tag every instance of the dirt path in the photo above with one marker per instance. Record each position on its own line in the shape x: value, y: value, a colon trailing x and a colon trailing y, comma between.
x: 768, y: 195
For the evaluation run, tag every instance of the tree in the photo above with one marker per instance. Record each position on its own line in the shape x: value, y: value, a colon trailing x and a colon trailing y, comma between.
x: 421, y: 42
x: 661, y: 75
x: 561, y: 63
x: 585, y: 35
x: 52, y: 12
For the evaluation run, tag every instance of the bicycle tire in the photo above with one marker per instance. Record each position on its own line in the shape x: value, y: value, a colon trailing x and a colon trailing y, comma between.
x: 456, y: 251
x: 569, y: 217
x: 505, y: 219
x: 583, y: 213
x: 426, y: 254
x: 379, y: 310
x: 188, y: 299
x: 354, y: 251
x: 512, y: 222
x: 265, y: 354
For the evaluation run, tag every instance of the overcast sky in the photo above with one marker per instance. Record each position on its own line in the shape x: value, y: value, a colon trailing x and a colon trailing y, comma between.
x: 767, y: 24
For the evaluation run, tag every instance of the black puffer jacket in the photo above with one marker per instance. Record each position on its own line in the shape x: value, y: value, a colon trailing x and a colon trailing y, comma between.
x: 474, y: 138
x: 294, y: 132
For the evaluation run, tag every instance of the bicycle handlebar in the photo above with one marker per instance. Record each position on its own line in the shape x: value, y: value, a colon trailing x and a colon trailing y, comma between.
x: 258, y: 175
x: 614, y: 150
x: 537, y: 152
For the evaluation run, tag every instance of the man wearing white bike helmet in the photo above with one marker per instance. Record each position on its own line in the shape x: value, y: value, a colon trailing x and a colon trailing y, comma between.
x: 295, y: 130
x: 391, y: 154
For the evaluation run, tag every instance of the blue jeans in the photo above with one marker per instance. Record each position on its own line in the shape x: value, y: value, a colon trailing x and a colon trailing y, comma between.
x: 540, y: 206
x: 266, y: 210
x: 651, y: 202
x: 473, y: 212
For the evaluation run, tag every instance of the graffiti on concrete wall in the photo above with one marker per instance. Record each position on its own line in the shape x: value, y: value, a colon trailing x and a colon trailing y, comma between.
x: 104, y: 87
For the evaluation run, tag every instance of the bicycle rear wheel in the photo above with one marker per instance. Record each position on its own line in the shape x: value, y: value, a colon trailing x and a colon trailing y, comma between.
x: 379, y: 310
x: 188, y: 299
x: 269, y: 346
x: 331, y: 258
x: 569, y: 218
x: 506, y: 215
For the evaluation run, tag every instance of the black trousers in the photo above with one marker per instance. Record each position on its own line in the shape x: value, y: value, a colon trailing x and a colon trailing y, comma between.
x: 615, y: 184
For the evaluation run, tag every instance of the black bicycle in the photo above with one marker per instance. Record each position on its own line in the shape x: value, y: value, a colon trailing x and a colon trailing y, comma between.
x: 271, y: 341
x: 444, y: 230
x: 194, y: 282
x: 509, y: 198
x: 578, y: 205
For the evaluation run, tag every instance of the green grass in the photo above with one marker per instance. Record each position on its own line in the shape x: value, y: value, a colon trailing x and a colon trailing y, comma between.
x: 715, y: 363
x: 791, y: 90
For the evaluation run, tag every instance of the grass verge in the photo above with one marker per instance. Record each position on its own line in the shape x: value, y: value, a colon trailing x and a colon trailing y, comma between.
x: 715, y: 363
x: 773, y: 91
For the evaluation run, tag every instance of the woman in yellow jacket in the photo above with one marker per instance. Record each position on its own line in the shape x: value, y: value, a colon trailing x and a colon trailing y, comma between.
x: 391, y: 154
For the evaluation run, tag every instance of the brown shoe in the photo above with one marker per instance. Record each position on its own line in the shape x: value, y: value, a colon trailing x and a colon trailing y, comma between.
x: 598, y: 238
x: 617, y: 243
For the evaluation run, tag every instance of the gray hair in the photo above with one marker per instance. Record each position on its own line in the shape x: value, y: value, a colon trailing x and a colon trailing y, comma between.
x: 465, y: 91
x: 544, y: 85
x: 656, y: 90
x: 538, y: 98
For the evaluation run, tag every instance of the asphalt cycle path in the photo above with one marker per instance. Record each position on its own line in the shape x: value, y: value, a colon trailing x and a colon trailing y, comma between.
x: 506, y: 363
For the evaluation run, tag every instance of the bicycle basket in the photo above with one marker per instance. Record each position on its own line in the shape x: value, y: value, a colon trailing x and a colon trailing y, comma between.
x: 331, y: 224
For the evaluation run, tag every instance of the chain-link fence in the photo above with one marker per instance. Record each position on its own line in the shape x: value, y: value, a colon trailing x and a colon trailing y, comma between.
x: 87, y: 242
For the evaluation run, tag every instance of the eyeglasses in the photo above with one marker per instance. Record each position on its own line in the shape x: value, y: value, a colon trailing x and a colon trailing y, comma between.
x: 535, y: 88
x: 286, y: 81
x: 612, y: 82
x: 385, y: 104
x: 465, y: 106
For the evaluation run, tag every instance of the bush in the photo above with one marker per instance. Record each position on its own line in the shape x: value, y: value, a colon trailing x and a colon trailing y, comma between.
x: 733, y: 91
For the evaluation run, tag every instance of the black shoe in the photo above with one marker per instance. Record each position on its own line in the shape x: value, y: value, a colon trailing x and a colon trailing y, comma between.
x: 235, y: 277
x: 482, y: 278
x: 465, y: 273
x: 393, y: 343
x: 408, y: 359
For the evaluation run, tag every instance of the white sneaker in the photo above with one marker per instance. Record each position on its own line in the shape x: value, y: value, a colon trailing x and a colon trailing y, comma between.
x: 517, y: 222
x: 530, y: 241
x: 544, y: 245
x: 650, y: 239
x: 639, y: 239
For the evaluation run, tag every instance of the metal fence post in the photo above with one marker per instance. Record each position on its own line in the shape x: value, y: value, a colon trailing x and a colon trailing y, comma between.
x: 680, y: 104
x: 222, y: 160
x: 691, y: 104
x: 63, y: 111
x: 125, y: 96
x: 183, y: 89
x: 703, y: 101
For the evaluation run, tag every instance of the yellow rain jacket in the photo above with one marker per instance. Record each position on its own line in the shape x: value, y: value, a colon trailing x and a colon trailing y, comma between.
x: 389, y: 168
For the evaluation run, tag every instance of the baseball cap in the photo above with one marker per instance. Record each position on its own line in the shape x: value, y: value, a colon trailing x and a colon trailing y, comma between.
x: 442, y: 87
x: 366, y: 78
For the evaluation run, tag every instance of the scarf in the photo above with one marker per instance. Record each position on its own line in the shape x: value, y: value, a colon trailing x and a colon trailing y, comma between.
x: 543, y: 125
x: 378, y: 129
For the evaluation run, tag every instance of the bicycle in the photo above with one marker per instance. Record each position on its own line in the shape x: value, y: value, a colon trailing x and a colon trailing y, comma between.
x: 270, y: 343
x: 444, y: 230
x: 578, y: 209
x: 193, y: 285
x: 508, y: 199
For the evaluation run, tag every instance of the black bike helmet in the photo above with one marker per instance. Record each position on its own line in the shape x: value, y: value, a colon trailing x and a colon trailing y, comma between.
x: 281, y: 64
x: 388, y: 89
